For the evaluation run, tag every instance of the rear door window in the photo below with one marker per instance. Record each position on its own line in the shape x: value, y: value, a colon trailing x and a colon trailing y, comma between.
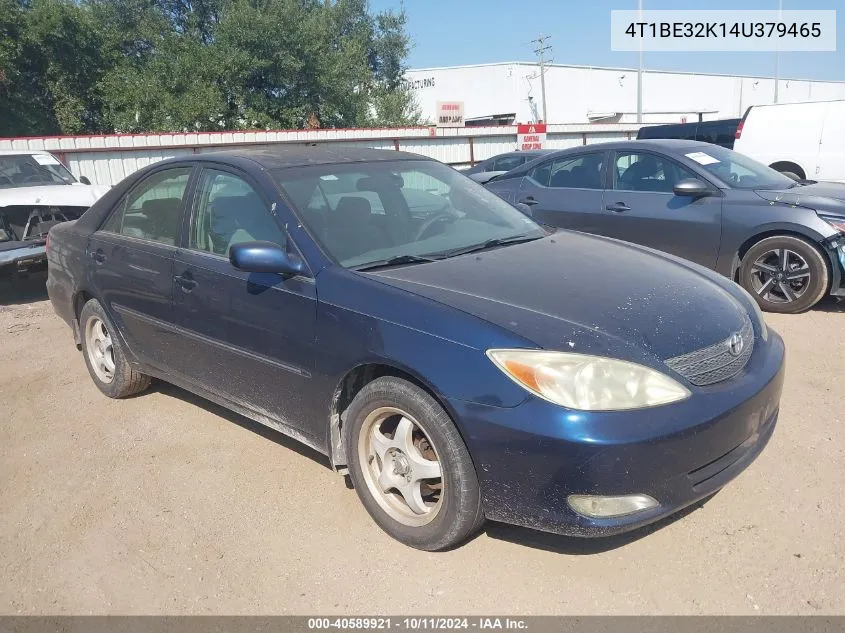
x: 584, y: 171
x: 152, y: 210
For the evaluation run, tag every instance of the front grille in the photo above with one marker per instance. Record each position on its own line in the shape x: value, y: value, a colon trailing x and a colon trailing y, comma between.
x: 715, y: 363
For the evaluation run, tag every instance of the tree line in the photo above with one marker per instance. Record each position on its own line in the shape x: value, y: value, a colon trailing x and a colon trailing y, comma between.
x: 101, y: 66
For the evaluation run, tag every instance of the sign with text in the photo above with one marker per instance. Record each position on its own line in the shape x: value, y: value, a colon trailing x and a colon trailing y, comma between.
x: 530, y: 136
x: 450, y: 114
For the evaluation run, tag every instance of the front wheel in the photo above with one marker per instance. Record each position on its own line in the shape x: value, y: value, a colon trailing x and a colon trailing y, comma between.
x: 410, y: 467
x: 784, y: 274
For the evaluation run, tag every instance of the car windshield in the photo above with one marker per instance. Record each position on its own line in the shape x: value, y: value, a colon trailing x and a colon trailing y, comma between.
x: 736, y: 170
x: 364, y: 213
x: 32, y: 170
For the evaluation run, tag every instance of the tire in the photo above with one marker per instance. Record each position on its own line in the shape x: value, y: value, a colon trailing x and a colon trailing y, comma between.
x: 99, y: 346
x: 790, y: 285
x: 441, y: 519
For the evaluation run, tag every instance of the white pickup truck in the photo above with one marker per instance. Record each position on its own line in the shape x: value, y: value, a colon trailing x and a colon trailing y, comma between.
x: 36, y: 193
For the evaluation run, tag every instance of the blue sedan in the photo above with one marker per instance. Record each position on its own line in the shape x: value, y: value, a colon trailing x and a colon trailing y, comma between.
x: 456, y: 359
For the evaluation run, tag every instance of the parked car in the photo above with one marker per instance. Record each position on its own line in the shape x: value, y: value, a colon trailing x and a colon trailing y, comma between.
x: 783, y: 241
x: 488, y: 169
x: 803, y: 140
x: 35, y: 195
x: 721, y: 132
x: 459, y: 365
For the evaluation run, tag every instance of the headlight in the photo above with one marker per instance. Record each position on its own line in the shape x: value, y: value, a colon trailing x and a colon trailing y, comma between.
x: 835, y: 222
x: 587, y: 383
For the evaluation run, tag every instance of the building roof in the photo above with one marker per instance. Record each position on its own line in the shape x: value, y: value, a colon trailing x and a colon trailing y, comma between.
x: 622, y: 69
x: 22, y: 152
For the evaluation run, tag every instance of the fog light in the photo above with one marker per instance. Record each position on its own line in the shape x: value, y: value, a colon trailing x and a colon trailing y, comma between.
x: 597, y: 507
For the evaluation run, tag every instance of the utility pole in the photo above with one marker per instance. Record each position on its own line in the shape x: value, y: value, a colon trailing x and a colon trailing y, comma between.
x: 541, y: 59
x: 640, y: 69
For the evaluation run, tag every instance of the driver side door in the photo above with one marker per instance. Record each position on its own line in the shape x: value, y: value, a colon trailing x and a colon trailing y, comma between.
x: 641, y: 207
x: 248, y: 337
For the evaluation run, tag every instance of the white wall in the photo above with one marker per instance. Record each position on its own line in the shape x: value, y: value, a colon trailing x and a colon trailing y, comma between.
x: 573, y: 92
x: 107, y: 159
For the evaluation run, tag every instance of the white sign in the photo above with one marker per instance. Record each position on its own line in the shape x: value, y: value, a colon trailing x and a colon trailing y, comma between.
x: 702, y: 158
x: 45, y: 159
x: 450, y: 114
x: 530, y: 136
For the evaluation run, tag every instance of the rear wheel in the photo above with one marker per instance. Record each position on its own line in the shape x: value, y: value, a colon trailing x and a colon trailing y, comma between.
x: 784, y: 274
x: 410, y: 467
x: 105, y: 356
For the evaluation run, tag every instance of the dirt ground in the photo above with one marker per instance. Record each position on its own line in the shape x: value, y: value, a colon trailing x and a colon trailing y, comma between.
x: 165, y: 503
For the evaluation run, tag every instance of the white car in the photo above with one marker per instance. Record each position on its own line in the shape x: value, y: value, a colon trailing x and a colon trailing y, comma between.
x: 36, y: 193
x: 804, y: 140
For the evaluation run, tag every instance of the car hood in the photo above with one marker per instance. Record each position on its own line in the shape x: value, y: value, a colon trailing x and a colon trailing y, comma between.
x: 575, y: 292
x: 75, y: 195
x: 828, y: 197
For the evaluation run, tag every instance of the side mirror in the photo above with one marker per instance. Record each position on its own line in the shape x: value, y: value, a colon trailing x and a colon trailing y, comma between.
x: 84, y: 180
x: 264, y: 257
x: 691, y: 187
x: 525, y: 209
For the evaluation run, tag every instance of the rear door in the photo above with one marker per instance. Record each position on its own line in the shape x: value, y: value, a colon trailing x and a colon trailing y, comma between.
x: 132, y: 262
x: 246, y: 336
x: 641, y: 207
x: 566, y: 191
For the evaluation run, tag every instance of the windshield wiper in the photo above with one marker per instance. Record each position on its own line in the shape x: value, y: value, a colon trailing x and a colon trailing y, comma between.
x: 398, y: 260
x: 498, y: 241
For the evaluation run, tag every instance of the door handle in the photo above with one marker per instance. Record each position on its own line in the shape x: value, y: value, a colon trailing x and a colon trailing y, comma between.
x: 530, y: 201
x: 618, y: 207
x: 185, y: 282
x: 98, y: 256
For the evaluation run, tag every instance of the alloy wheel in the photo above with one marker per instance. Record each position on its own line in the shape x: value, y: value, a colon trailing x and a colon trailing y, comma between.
x: 100, y: 349
x: 780, y: 276
x: 400, y: 466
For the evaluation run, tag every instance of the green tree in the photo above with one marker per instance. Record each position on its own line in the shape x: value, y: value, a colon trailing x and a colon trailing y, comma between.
x: 186, y: 65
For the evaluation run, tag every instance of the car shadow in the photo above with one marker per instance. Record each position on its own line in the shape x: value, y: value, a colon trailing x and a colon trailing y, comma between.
x: 830, y: 304
x: 266, y: 432
x: 22, y: 290
x: 575, y: 546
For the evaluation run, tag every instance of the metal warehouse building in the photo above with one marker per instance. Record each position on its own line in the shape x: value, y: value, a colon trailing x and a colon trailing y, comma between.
x: 510, y: 92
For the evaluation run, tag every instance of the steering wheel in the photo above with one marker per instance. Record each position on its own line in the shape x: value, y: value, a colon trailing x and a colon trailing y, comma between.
x: 439, y: 216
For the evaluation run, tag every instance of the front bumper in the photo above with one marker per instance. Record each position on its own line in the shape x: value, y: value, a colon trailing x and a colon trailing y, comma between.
x: 530, y: 458
x: 837, y: 256
x: 23, y: 260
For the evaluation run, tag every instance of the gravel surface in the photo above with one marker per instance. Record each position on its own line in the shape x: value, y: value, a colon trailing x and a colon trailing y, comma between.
x: 166, y: 503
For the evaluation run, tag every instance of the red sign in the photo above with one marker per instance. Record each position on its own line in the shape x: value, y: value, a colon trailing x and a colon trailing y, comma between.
x: 530, y: 136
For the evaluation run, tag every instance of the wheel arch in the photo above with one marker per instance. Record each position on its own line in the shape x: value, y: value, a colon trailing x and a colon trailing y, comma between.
x: 788, y: 165
x: 351, y: 383
x: 777, y: 231
x: 80, y: 298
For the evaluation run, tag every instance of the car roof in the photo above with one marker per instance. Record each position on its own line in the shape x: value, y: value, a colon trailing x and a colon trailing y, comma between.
x: 669, y: 144
x: 658, y: 144
x: 527, y: 152
x: 288, y: 155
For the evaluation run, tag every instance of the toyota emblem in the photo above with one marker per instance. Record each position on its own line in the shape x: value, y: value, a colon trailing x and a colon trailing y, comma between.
x: 735, y: 345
